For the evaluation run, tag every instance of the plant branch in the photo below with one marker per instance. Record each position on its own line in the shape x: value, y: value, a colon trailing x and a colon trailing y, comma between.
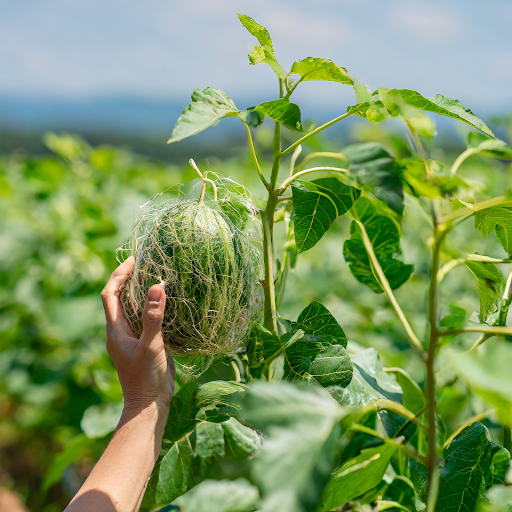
x: 384, y: 283
x: 399, y: 409
x: 496, y: 201
x: 255, y: 158
x: 485, y: 329
x: 461, y: 158
x: 320, y: 154
x: 295, y: 155
x: 289, y: 180
x: 314, y: 132
x: 270, y: 318
x: 447, y: 267
x: 204, y: 180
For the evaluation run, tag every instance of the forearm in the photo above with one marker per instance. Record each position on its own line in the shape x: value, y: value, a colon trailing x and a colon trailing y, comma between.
x: 117, y: 482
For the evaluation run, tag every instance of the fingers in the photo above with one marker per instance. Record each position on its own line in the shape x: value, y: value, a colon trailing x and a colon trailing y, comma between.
x: 110, y: 294
x: 153, y: 314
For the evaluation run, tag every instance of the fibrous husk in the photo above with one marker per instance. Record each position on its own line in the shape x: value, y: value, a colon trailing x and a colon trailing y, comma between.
x: 210, y: 271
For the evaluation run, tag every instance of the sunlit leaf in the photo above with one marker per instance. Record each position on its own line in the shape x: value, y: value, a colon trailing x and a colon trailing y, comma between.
x: 316, y: 205
x: 374, y: 169
x: 489, y: 147
x: 332, y: 367
x: 488, y: 373
x: 499, y: 220
x: 208, y: 106
x: 490, y: 286
x: 384, y: 232
x: 282, y: 111
x: 265, y: 52
x: 209, y: 440
x: 220, y: 496
x: 321, y: 69
x: 357, y: 475
x: 466, y: 462
x: 241, y: 441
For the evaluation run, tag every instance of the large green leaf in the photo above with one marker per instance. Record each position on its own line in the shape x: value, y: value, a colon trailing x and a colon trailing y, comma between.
x: 357, y: 476
x: 487, y: 371
x: 313, y: 68
x: 496, y: 148
x: 209, y: 440
x: 298, y: 421
x: 282, y: 111
x: 220, y: 496
x: 490, y: 286
x: 172, y: 477
x: 384, y: 232
x: 265, y: 52
x: 499, y: 220
x: 384, y: 103
x: 182, y: 414
x: 466, y: 462
x: 208, y: 106
x: 316, y: 205
x: 320, y: 352
x: 374, y: 169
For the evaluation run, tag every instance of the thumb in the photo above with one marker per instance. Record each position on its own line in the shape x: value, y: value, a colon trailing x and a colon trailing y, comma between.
x: 153, y: 313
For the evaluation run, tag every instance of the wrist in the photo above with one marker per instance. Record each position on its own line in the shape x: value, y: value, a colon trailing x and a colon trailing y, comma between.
x: 154, y: 412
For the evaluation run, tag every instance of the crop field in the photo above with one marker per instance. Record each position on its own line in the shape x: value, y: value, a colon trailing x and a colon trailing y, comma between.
x: 337, y: 311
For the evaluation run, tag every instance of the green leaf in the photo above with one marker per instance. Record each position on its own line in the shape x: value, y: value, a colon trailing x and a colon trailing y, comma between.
x: 100, y: 420
x: 182, y: 414
x: 209, y: 440
x: 369, y: 382
x: 241, y: 441
x: 499, y: 220
x: 208, y: 106
x: 298, y: 421
x: 500, y: 464
x: 384, y: 232
x: 466, y: 462
x: 332, y: 367
x: 218, y: 392
x: 172, y: 477
x: 487, y: 371
x: 261, y: 344
x: 497, y: 499
x: 490, y: 147
x: 413, y: 396
x: 392, y: 102
x: 401, y: 490
x: 321, y: 69
x: 357, y: 476
x: 490, y: 286
x: 264, y: 53
x: 374, y: 169
x: 220, y: 496
x: 316, y: 205
x: 282, y: 111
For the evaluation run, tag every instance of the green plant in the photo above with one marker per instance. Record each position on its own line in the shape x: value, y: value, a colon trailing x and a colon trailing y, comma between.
x: 369, y: 188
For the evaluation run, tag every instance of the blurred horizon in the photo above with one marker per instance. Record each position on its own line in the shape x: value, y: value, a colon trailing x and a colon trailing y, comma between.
x: 129, y: 69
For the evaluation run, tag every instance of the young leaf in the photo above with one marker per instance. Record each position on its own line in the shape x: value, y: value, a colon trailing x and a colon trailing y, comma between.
x: 374, y: 169
x: 220, y: 496
x: 208, y: 106
x: 241, y: 441
x: 490, y: 286
x: 316, y: 205
x: 384, y: 232
x: 413, y: 397
x: 500, y: 464
x: 392, y: 102
x: 466, y: 462
x: 357, y: 476
x: 282, y: 111
x: 488, y: 373
x: 265, y: 52
x: 499, y: 220
x: 321, y: 69
x: 490, y: 147
x: 172, y: 477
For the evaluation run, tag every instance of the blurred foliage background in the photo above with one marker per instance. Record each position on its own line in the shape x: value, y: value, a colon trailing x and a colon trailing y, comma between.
x: 64, y: 212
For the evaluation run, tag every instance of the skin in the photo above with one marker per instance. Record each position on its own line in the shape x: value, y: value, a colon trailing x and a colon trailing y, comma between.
x: 120, y: 477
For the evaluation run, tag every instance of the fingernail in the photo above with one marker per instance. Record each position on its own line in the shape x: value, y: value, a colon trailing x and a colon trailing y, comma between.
x: 154, y: 294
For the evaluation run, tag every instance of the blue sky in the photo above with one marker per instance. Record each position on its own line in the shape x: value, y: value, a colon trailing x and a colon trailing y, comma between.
x: 159, y: 50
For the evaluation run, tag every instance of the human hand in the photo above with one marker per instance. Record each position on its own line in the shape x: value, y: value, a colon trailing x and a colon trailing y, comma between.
x: 146, y: 377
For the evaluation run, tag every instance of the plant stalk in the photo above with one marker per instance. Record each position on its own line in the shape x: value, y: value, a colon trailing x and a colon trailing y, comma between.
x: 291, y: 179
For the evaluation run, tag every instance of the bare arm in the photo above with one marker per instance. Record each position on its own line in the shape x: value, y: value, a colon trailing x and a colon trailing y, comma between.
x: 119, y: 479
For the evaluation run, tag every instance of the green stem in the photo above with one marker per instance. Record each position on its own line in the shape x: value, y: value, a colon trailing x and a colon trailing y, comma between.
x: 496, y: 201
x: 255, y: 158
x: 270, y: 313
x: 486, y: 329
x: 321, y: 154
x: 276, y: 162
x: 291, y: 179
x: 384, y: 283
x: 314, y: 132
x: 461, y: 158
x: 430, y: 387
x: 399, y: 409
